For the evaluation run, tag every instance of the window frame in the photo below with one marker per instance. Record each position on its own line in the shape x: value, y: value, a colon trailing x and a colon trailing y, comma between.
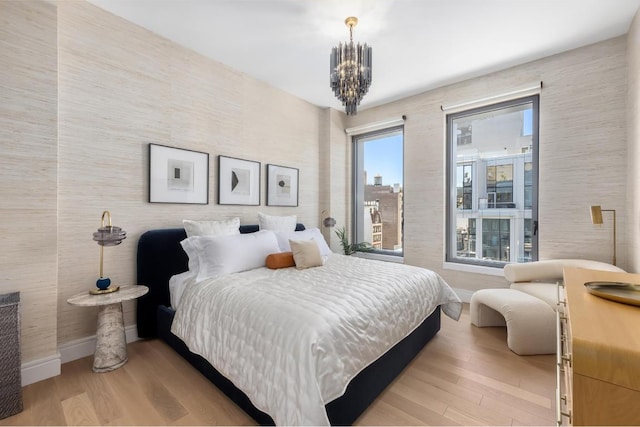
x: 451, y: 240
x: 357, y: 198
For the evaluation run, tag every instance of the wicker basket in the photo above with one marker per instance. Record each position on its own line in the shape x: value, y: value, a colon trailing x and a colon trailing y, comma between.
x: 10, y: 370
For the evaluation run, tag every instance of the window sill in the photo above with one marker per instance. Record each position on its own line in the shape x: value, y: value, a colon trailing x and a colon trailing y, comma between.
x: 477, y: 269
x: 380, y: 257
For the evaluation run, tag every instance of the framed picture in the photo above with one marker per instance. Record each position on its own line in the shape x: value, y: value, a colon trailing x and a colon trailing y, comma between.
x: 177, y: 175
x: 282, y: 186
x: 238, y: 181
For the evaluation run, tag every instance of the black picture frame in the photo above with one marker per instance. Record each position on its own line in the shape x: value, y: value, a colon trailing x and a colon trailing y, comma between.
x: 178, y: 175
x: 282, y: 185
x: 238, y: 181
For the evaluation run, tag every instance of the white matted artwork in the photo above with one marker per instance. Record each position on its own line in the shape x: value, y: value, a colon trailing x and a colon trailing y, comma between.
x: 238, y: 181
x: 282, y: 186
x: 177, y: 175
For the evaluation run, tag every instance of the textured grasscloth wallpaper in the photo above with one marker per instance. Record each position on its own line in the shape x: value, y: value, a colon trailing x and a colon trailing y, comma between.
x: 28, y: 169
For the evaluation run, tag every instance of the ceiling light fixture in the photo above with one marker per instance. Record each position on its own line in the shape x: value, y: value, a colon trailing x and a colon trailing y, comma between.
x: 350, y: 72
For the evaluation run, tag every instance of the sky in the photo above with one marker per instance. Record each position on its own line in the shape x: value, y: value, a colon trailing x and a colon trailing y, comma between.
x: 527, y: 127
x: 384, y: 157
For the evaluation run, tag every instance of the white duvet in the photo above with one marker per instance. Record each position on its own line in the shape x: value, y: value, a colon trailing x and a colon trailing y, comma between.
x: 293, y: 339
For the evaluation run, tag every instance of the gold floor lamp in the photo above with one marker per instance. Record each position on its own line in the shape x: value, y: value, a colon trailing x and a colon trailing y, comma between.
x: 596, y: 218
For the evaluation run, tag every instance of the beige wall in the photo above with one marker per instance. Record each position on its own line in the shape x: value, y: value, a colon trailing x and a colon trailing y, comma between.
x: 633, y: 143
x: 28, y: 169
x: 582, y: 156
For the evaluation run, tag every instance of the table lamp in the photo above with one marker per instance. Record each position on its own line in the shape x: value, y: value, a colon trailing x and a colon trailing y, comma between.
x: 107, y: 236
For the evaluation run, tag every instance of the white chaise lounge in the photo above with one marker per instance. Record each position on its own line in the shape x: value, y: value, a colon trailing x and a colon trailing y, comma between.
x: 527, y: 307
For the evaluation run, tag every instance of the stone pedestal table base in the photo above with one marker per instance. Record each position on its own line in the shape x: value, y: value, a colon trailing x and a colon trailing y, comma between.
x: 111, y: 345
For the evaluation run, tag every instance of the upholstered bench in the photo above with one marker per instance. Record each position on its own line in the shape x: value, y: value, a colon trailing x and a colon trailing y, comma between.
x: 528, y: 307
x: 530, y: 321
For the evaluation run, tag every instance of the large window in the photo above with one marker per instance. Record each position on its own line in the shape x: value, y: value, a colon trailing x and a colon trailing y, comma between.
x: 378, y: 190
x: 492, y: 170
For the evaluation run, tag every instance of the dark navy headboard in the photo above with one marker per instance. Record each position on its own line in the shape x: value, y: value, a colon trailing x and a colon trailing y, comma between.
x: 160, y: 256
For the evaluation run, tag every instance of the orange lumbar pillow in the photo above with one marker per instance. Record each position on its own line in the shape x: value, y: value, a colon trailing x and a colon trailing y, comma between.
x: 280, y: 260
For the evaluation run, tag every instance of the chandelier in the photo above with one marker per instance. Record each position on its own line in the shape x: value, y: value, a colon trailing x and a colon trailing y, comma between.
x: 350, y: 70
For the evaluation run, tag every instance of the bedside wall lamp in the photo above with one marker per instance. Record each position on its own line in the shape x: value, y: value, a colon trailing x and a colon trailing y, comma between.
x: 596, y: 219
x: 107, y: 236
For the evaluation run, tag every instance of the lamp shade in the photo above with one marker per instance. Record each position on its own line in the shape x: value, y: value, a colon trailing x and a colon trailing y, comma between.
x: 109, y: 235
x: 329, y: 222
x: 596, y: 214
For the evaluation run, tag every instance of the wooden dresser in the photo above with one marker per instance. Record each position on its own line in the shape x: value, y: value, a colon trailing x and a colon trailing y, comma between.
x: 599, y: 353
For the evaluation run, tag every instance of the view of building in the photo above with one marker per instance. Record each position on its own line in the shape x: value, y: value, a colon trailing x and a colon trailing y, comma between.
x: 383, y: 215
x: 494, y: 187
x: 372, y: 224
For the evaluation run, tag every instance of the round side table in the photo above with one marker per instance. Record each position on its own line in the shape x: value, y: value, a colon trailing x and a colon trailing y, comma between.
x: 111, y: 343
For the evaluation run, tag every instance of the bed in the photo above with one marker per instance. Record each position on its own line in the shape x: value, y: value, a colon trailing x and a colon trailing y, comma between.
x: 161, y: 256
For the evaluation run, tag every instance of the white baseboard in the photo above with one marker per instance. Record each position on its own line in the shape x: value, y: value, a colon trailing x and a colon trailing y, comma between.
x: 464, y: 294
x: 86, y: 346
x: 38, y: 370
x: 49, y: 367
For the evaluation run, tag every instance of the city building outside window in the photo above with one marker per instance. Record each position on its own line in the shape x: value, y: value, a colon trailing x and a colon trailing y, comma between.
x: 378, y: 190
x: 464, y: 185
x: 492, y: 170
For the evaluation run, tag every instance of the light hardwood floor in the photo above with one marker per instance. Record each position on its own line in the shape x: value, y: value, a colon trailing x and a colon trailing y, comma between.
x: 465, y: 375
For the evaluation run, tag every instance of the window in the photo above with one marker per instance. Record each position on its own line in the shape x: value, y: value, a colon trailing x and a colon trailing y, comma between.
x: 495, y: 239
x: 528, y: 185
x: 492, y: 165
x: 500, y: 186
x: 464, y: 185
x: 378, y: 190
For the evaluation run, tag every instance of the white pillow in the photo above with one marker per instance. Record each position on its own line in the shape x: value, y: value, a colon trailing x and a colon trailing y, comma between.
x: 277, y: 223
x: 310, y: 233
x: 191, y: 249
x: 212, y: 228
x: 220, y: 255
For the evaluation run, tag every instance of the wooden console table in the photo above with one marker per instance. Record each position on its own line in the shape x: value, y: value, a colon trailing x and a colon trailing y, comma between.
x: 600, y: 353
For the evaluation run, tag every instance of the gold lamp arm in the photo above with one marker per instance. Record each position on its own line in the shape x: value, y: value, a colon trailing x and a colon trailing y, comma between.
x: 101, y: 258
x: 614, y: 236
x: 613, y: 261
x: 108, y: 215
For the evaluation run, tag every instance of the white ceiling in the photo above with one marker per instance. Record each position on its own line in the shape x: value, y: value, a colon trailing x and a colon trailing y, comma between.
x: 417, y: 44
